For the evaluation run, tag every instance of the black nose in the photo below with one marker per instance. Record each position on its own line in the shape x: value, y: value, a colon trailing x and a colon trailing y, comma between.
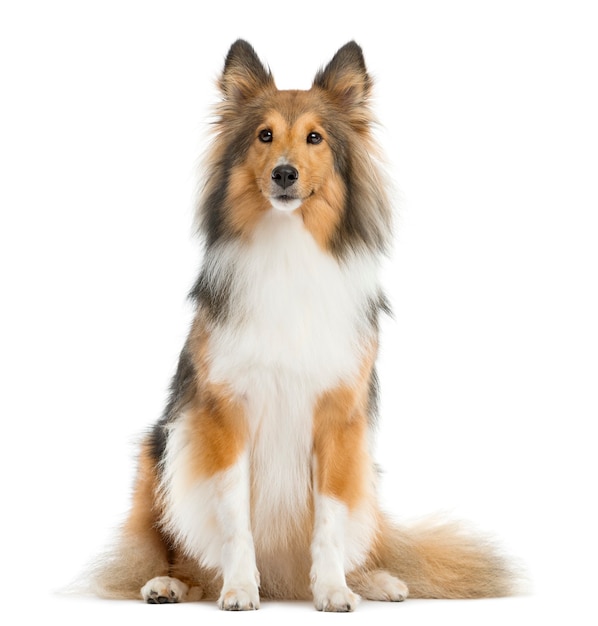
x: 284, y: 175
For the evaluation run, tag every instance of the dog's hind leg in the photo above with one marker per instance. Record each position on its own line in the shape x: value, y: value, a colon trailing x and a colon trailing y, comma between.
x: 206, y: 483
x: 378, y: 585
x: 140, y: 553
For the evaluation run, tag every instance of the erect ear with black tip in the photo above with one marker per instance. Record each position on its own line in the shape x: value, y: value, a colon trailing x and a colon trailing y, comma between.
x: 346, y: 77
x: 243, y: 75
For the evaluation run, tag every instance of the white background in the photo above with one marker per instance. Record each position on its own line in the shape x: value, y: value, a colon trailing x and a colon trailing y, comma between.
x: 489, y: 369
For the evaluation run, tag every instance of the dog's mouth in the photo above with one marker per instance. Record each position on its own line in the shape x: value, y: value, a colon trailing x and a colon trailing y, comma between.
x: 285, y: 202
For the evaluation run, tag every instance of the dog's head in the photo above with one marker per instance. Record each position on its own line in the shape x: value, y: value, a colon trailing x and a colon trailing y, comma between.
x: 289, y: 150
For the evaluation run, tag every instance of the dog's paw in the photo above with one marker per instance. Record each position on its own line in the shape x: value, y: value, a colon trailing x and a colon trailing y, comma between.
x: 240, y: 598
x: 335, y: 599
x: 164, y: 590
x: 383, y: 586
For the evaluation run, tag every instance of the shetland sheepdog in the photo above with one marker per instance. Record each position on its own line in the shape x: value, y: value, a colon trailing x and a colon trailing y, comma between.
x: 258, y: 480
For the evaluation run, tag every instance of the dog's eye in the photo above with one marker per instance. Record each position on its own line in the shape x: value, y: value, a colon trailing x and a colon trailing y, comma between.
x: 314, y: 138
x: 265, y: 135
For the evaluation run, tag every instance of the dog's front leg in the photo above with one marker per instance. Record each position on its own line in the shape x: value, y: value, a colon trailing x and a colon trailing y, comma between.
x: 343, y: 520
x: 328, y: 582
x: 239, y: 571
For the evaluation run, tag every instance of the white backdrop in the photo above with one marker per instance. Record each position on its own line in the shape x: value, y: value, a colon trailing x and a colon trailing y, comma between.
x: 489, y: 368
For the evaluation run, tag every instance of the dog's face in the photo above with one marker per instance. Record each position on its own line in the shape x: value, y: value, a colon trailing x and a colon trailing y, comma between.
x: 290, y: 158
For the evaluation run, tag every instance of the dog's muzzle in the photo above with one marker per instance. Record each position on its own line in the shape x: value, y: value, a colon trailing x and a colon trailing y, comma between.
x: 283, y: 197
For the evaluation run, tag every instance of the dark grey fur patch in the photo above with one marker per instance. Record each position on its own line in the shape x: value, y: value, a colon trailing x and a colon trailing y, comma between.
x: 237, y: 135
x: 373, y: 395
x: 182, y: 388
x: 349, y: 58
x: 366, y: 217
x: 213, y: 296
x: 376, y: 307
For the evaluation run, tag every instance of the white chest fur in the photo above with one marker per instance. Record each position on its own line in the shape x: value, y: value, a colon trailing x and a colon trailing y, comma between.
x: 293, y: 307
x: 296, y: 327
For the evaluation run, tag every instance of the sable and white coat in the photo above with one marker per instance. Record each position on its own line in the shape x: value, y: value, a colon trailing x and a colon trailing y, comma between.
x: 258, y: 479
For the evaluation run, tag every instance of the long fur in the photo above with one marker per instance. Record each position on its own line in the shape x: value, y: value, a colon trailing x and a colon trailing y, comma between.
x: 258, y: 479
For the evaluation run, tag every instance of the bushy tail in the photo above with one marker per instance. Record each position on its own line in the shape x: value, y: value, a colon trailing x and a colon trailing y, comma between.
x: 445, y: 560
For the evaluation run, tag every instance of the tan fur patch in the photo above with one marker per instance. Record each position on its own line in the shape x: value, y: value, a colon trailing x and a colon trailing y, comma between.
x: 339, y: 446
x: 321, y: 213
x: 217, y: 433
x: 217, y: 425
x: 340, y: 440
x: 144, y: 513
x: 247, y: 202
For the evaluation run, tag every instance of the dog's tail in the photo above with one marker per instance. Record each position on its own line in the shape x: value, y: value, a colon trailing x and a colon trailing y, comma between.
x: 445, y: 560
x: 436, y: 559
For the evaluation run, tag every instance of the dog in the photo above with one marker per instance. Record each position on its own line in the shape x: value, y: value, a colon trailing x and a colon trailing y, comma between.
x: 258, y: 480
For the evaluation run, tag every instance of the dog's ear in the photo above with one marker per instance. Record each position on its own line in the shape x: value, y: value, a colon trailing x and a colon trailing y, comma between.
x: 346, y: 77
x: 243, y: 75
